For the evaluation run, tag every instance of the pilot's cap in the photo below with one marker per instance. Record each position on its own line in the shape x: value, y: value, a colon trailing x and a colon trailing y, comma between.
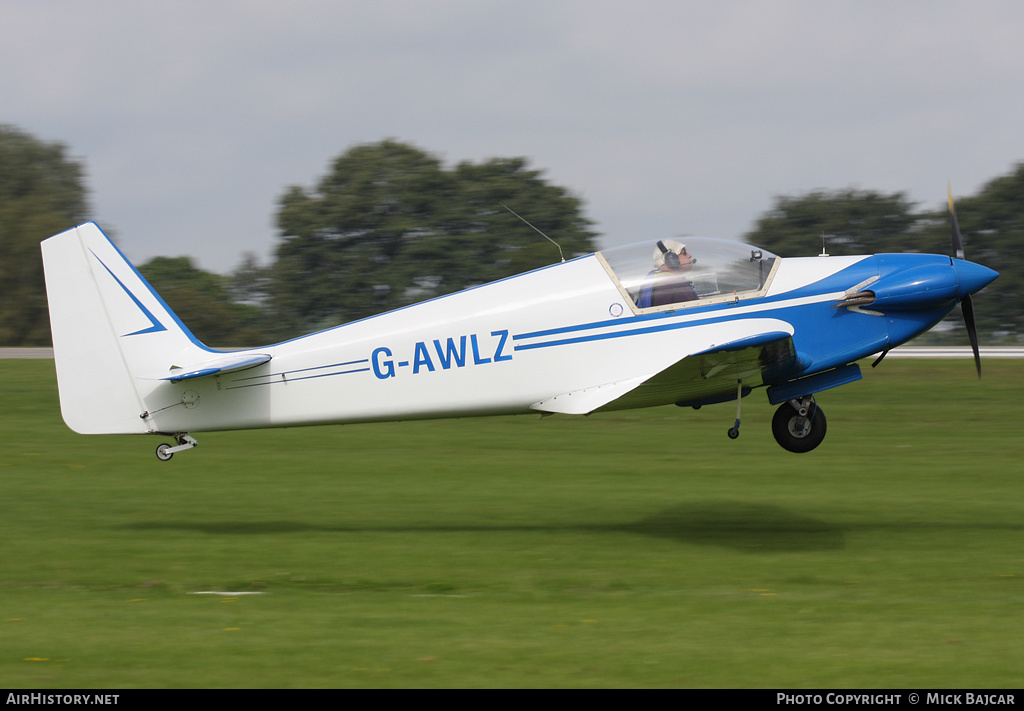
x: 670, y: 245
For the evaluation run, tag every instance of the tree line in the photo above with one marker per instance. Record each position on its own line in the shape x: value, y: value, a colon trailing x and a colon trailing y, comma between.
x: 389, y: 225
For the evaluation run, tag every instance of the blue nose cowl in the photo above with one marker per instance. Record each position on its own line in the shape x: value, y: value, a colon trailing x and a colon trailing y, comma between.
x: 972, y: 277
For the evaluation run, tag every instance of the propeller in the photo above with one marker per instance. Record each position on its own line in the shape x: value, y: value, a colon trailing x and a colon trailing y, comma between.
x: 966, y: 304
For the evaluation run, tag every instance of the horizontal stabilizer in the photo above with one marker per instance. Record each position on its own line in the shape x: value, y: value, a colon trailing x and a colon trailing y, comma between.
x: 226, y: 364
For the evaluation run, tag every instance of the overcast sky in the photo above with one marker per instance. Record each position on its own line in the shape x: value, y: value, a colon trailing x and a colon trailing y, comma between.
x: 666, y: 118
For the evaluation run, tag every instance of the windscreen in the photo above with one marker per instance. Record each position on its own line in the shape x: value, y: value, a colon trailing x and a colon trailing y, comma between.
x: 706, y: 268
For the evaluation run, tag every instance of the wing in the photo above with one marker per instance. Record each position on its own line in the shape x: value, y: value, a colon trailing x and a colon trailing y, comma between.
x: 707, y: 375
x: 710, y: 376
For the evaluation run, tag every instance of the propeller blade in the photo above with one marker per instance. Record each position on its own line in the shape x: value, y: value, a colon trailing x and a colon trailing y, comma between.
x: 958, y: 242
x: 967, y: 307
x: 966, y: 304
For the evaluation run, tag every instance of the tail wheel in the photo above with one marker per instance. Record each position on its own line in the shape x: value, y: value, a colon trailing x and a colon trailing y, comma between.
x: 163, y: 453
x: 796, y: 432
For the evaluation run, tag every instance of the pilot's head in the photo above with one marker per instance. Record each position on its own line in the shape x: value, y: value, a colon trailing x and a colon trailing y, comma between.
x: 670, y: 254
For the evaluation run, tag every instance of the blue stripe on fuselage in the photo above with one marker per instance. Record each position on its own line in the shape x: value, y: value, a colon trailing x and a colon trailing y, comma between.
x: 840, y: 281
x: 861, y: 334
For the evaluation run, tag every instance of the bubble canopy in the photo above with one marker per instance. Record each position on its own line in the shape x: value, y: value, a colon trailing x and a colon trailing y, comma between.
x: 723, y: 270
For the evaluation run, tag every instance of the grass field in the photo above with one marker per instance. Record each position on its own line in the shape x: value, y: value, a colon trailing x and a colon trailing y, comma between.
x: 641, y: 548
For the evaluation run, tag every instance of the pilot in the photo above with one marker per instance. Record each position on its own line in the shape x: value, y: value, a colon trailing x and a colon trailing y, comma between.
x: 667, y: 284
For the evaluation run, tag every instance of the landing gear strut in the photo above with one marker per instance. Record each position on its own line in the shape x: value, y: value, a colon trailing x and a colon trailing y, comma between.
x: 734, y: 431
x: 799, y: 425
x: 165, y: 451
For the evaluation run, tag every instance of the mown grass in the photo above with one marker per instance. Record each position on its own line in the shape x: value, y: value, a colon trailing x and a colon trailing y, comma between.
x: 641, y: 548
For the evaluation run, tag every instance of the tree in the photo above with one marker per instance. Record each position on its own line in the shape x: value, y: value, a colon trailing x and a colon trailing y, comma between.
x: 389, y: 225
x: 203, y: 302
x: 992, y: 223
x: 852, y: 221
x: 41, y: 194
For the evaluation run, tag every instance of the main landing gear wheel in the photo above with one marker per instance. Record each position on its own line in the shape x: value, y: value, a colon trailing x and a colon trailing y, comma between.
x: 163, y: 454
x: 799, y: 425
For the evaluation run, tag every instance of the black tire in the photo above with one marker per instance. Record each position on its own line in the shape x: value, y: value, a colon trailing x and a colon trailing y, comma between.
x: 162, y: 453
x: 798, y: 434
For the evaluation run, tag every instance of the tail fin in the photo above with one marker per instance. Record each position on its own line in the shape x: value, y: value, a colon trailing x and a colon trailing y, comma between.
x: 109, y: 330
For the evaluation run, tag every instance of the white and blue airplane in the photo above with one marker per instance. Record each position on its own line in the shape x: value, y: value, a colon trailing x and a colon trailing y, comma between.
x: 662, y: 322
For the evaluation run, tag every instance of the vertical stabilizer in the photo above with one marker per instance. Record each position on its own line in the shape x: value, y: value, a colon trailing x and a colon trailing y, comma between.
x: 109, y: 327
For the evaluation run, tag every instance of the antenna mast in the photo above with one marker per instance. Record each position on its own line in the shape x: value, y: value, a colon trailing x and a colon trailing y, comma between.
x: 537, y: 230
